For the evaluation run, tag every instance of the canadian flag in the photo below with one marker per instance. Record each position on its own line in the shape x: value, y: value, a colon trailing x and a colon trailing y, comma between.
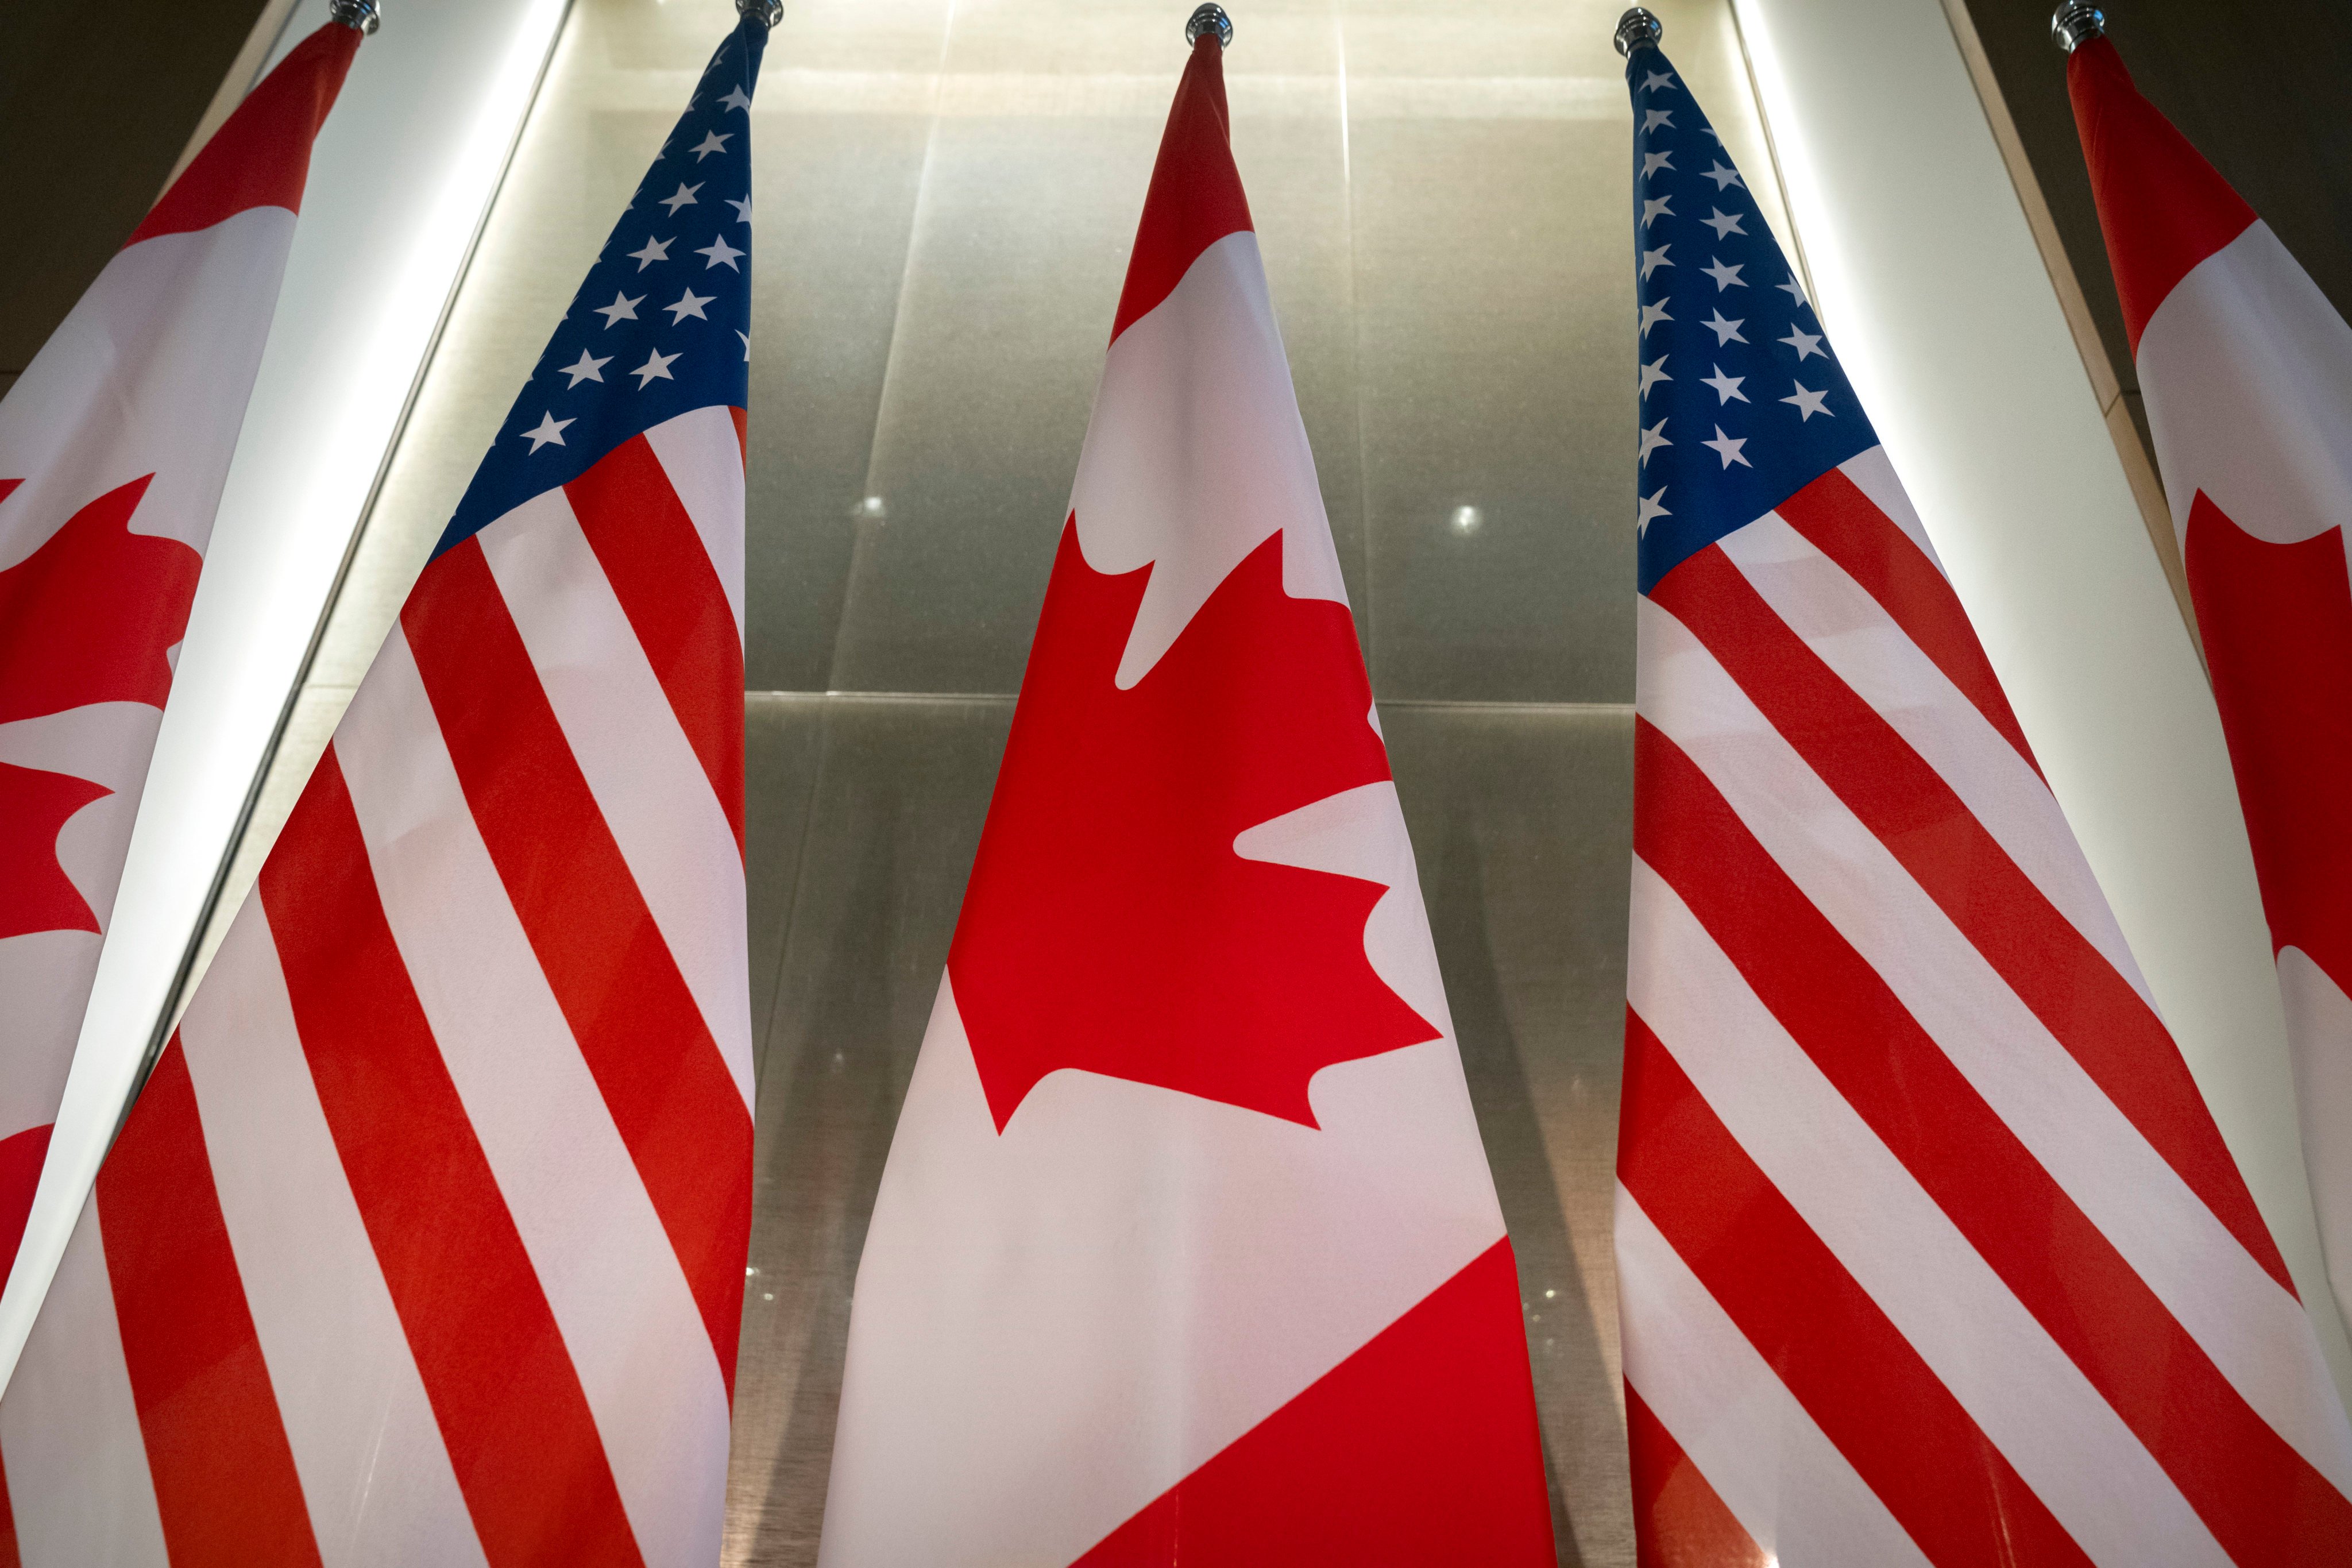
x: 1187, y: 1249
x: 2247, y: 370
x: 114, y: 445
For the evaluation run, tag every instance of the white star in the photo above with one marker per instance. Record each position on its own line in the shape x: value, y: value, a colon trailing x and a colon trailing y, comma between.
x: 1793, y: 290
x: 1726, y: 331
x: 691, y: 303
x: 1727, y: 387
x: 1653, y: 373
x: 622, y: 309
x: 585, y: 368
x: 1727, y: 448
x: 656, y: 368
x: 743, y: 208
x: 721, y: 254
x: 1650, y: 508
x: 713, y: 142
x: 682, y: 198
x: 1723, y: 177
x: 735, y: 100
x: 1656, y: 117
x: 1653, y: 259
x: 1655, y: 207
x: 1658, y: 80
x: 1651, y: 316
x: 1723, y: 223
x: 1725, y: 277
x: 655, y: 250
x: 747, y: 345
x: 551, y: 429
x: 1809, y: 403
x: 1651, y: 441
x: 1803, y: 341
x: 1653, y: 161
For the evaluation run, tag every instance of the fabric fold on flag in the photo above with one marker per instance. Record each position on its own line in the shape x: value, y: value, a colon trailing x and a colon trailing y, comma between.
x: 2247, y: 373
x: 115, y: 446
x: 1928, y: 1249
x: 424, y: 1241
x: 1186, y: 1249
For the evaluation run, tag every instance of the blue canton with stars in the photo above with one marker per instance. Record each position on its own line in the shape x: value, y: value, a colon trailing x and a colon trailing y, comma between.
x: 662, y: 324
x: 1743, y: 404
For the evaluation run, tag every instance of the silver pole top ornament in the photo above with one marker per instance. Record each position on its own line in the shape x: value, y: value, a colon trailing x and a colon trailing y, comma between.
x: 1637, y: 29
x: 2076, y: 22
x: 362, y: 16
x: 1209, y: 19
x: 769, y: 11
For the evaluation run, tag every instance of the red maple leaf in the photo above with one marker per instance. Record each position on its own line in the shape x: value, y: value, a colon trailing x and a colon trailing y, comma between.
x: 1110, y: 924
x: 33, y: 807
x: 88, y: 618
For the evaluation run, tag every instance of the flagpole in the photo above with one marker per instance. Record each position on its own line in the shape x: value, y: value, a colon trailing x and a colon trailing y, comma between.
x: 2076, y: 22
x: 1637, y: 29
x: 1209, y: 18
x: 362, y: 16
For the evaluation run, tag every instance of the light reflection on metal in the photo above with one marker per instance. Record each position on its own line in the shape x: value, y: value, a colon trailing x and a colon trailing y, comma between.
x: 1638, y: 29
x: 769, y: 11
x: 2076, y: 22
x: 362, y: 16
x: 1209, y: 18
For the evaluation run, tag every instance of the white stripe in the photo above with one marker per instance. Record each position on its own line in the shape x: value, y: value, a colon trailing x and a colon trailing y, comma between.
x: 629, y: 1318
x: 1866, y: 647
x: 1873, y: 475
x: 77, y: 1480
x: 2255, y: 1331
x: 647, y: 781
x: 1778, y: 1472
x: 2020, y: 1389
x: 377, y: 1478
x: 703, y: 459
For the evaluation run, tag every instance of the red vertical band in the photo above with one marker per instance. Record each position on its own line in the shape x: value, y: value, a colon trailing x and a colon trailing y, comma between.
x: 226, y: 1486
x: 1418, y: 1448
x: 2162, y: 207
x: 1195, y: 199
x: 511, y: 1412
x: 261, y: 157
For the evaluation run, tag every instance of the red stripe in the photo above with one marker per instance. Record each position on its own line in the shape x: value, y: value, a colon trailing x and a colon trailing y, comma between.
x: 511, y: 1413
x: 663, y: 1079
x: 21, y: 1156
x: 261, y: 157
x: 2162, y: 207
x: 1856, y: 1375
x: 1679, y: 1519
x: 2068, y: 983
x: 1195, y: 199
x: 225, y: 1488
x: 2261, y: 1499
x: 662, y: 574
x: 1846, y: 525
x: 1420, y: 1448
x: 8, y: 1555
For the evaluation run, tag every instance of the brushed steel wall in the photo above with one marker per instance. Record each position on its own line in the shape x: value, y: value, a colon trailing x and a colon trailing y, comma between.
x: 946, y: 191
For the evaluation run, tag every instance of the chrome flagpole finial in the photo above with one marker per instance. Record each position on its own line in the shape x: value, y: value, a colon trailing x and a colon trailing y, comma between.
x: 1209, y: 19
x: 2076, y: 22
x: 769, y: 11
x: 362, y: 16
x: 1638, y: 29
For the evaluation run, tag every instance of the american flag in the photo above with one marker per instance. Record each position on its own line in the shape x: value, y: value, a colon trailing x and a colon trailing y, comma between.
x: 1928, y: 1249
x: 423, y: 1242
